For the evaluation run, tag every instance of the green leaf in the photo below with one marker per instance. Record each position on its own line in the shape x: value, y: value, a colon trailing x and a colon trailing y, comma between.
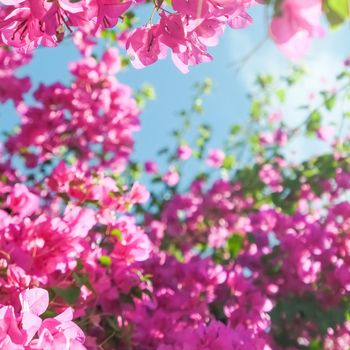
x: 330, y: 102
x: 83, y: 280
x: 105, y: 260
x: 234, y: 245
x: 148, y: 92
x: 70, y: 294
x: 176, y: 253
x: 229, y: 162
x: 264, y: 80
x: 198, y: 105
x: 117, y: 233
x: 313, y: 123
x: 235, y: 129
x: 255, y: 109
x: 107, y: 34
x: 207, y: 86
x: 136, y: 292
x: 337, y: 11
x: 281, y: 94
x: 315, y: 344
x: 48, y: 314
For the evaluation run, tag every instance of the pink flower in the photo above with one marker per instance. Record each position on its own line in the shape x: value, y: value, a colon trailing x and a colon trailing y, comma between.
x: 22, y: 29
x: 299, y: 23
x: 184, y: 152
x: 109, y: 12
x: 274, y: 117
x: 18, y: 332
x: 193, y: 8
x: 111, y: 61
x: 35, y: 301
x: 266, y: 138
x: 144, y: 46
x: 209, y: 30
x: 280, y: 137
x: 215, y: 158
x: 59, y: 333
x: 171, y: 177
x: 151, y: 167
x: 138, y: 194
x: 172, y: 32
x: 134, y: 244
x: 308, y: 270
x: 22, y: 201
x: 271, y: 177
x: 325, y: 132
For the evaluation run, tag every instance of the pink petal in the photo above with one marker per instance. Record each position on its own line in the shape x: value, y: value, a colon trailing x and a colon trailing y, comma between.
x: 34, y: 300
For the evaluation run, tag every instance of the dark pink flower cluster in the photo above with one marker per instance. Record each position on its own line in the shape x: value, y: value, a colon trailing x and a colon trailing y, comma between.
x: 11, y: 86
x: 299, y: 257
x: 93, y: 119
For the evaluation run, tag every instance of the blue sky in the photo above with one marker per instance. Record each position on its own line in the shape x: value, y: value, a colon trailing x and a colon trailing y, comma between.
x: 225, y: 106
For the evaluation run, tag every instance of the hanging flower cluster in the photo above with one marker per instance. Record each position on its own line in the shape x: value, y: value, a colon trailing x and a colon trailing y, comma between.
x: 186, y: 27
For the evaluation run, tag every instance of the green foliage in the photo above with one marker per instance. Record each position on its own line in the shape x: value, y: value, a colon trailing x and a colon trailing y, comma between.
x: 117, y: 233
x: 109, y: 35
x: 313, y: 123
x: 234, y: 245
x: 229, y: 162
x: 129, y: 20
x: 337, y: 11
x: 105, y: 260
x: 301, y: 309
x: 146, y: 93
x: 329, y: 100
x: 70, y: 294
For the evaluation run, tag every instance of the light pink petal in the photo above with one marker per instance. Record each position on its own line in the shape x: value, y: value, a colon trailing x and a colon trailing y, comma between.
x: 65, y: 316
x: 34, y: 300
x: 30, y: 324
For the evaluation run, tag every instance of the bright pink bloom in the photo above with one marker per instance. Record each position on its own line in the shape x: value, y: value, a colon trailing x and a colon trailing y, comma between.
x: 151, y: 167
x: 17, y: 332
x: 109, y: 12
x: 59, y: 333
x: 138, y: 194
x: 184, y: 152
x: 144, y: 46
x: 22, y: 201
x: 193, y: 8
x: 325, y: 132
x: 271, y: 177
x: 171, y: 177
x: 215, y: 158
x: 298, y: 24
x: 280, y: 137
x: 266, y: 138
x: 22, y: 29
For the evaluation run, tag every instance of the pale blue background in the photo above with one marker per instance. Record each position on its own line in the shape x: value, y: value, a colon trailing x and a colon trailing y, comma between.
x: 227, y: 104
